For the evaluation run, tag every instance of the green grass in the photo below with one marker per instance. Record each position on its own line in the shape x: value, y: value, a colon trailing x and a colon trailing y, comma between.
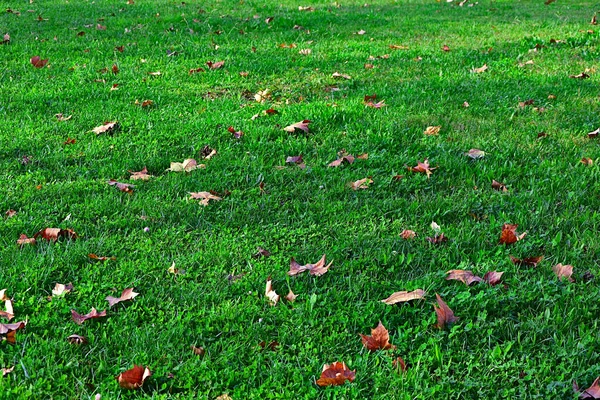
x: 528, y: 339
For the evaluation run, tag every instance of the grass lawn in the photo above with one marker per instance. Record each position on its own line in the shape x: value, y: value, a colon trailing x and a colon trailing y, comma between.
x: 528, y: 337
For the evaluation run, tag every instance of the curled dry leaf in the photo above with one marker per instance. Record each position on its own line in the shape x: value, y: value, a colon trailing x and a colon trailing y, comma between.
x: 24, y: 240
x: 291, y: 297
x: 466, y: 277
x: 302, y: 125
x: 346, y: 158
x: 563, y: 271
x: 361, y: 184
x: 587, y: 161
x: 37, y: 62
x: 317, y: 269
x: 398, y: 47
x: 236, y: 134
x: 338, y: 75
x: 215, y: 65
x: 60, y: 117
x: 379, y: 339
x: 80, y: 319
x: 187, y: 165
x: 432, y: 130
x: 593, y: 392
x: 133, y: 378
x: 207, y: 152
x: 76, y: 339
x: 5, y: 39
x: 53, y: 234
x: 260, y: 252
x: 493, y: 277
x: 444, y: 314
x: 399, y: 364
x: 296, y: 160
x: 8, y: 328
x: 527, y: 261
x: 335, y: 374
x: 107, y: 127
x: 475, y: 154
x: 408, y: 234
x: 175, y: 271
x: 423, y: 167
x: 262, y: 96
x: 404, y: 296
x: 199, y: 351
x: 127, y: 294
x: 270, y: 293
x: 61, y: 290
x: 509, y: 234
x: 144, y: 103
x: 501, y: 187
x: 204, y: 197
x: 123, y: 187
x: 6, y: 371
x: 582, y: 75
x: 195, y: 70
x: 10, y: 213
x: 480, y: 69
x: 140, y: 175
x: 376, y: 105
x: 307, y: 8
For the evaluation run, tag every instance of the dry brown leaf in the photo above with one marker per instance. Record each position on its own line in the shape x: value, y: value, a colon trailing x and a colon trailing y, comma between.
x: 140, y: 175
x: 526, y: 262
x: 10, y: 213
x: 262, y: 96
x: 509, y: 234
x: 563, y: 271
x: 480, y: 69
x: 493, y: 277
x: 475, y: 154
x: 76, y: 339
x: 499, y: 186
x: 61, y: 117
x: 133, y: 378
x: 295, y: 160
x: 291, y: 297
x: 379, y: 339
x: 582, y: 75
x: 107, y: 127
x: 444, y: 314
x: 361, y: 184
x: 408, y: 234
x: 144, y: 103
x: 270, y: 293
x: 215, y: 65
x: 399, y: 364
x: 338, y: 75
x: 466, y: 277
x: 127, y: 294
x: 432, y: 130
x: 236, y: 134
x: 61, y: 290
x: 187, y: 165
x: 204, y: 197
x: 587, y: 161
x: 6, y: 371
x: 199, y: 351
x: 80, y: 319
x: 346, y: 158
x: 398, y: 47
x: 404, y: 296
x: 445, y: 48
x: 423, y: 167
x: 24, y: 240
x: 335, y: 374
x: 53, y: 234
x: 260, y: 252
x: 123, y: 187
x: 317, y: 269
x: 302, y: 125
x: 101, y: 258
x: 37, y: 62
x: 8, y: 328
x: 593, y: 392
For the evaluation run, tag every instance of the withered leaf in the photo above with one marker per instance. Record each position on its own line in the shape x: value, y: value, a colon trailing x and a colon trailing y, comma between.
x: 437, y: 239
x: 563, y: 271
x: 76, y: 339
x: 53, y: 234
x: 335, y: 374
x: 107, y: 127
x: 379, y: 339
x: 379, y: 104
x: 195, y: 70
x: 398, y: 47
x: 207, y: 152
x: 262, y: 96
x: 480, y: 69
x: 199, y: 351
x: 509, y: 234
x: 404, y: 296
x: 305, y: 52
x: 7, y: 328
x: 527, y: 261
x: 6, y: 371
x: 271, y: 345
x: 361, y: 184
x: 215, y: 65
x: 347, y: 158
x: 399, y: 364
x: 101, y: 258
x: 144, y: 103
x: 445, y: 48
x: 593, y: 134
x: 302, y: 125
x: 236, y: 134
x: 444, y: 314
x: 493, y: 277
x: 582, y: 75
x: 587, y: 161
x: 187, y: 165
x: 432, y: 130
x: 466, y: 277
x: 593, y: 392
x: 61, y: 117
x: 423, y: 167
x: 140, y: 175
x: 291, y: 297
x: 133, y: 378
x: 260, y: 252
x: 37, y: 62
x: 80, y: 319
x: 499, y: 186
x: 204, y: 197
x: 24, y: 240
x: 338, y: 75
x: 307, y: 8
x: 123, y: 187
x: 127, y: 294
x: 296, y: 160
x: 317, y: 269
x: 408, y: 234
x: 270, y: 293
x: 475, y: 154
x: 61, y: 290
x: 10, y: 213
x: 5, y: 39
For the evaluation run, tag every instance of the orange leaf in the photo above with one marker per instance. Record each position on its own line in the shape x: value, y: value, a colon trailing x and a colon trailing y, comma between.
x: 444, y: 314
x: 53, y: 234
x: 509, y: 234
x: 408, y: 234
x: 422, y: 167
x: 379, y: 339
x: 527, y: 261
x: 335, y: 374
x: 134, y: 377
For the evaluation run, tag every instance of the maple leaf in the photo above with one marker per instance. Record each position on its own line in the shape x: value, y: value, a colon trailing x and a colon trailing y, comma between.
x: 140, y: 175
x: 37, y: 62
x: 291, y: 297
x: 53, y: 234
x: 493, y: 277
x: 123, y: 187
x: 76, y: 339
x: 361, y: 184
x: 475, y: 154
x: 432, y: 130
x: 204, y: 197
x: 466, y: 277
x: 187, y: 165
x: 270, y: 293
x: 24, y: 240
x: 422, y: 167
x: 379, y: 339
x: 480, y: 69
x: 302, y: 125
x: 527, y: 261
x: 317, y: 269
x: 499, y: 186
x: 335, y: 374
x: 404, y: 296
x: 408, y: 234
x: 582, y: 75
x: 346, y: 158
x: 563, y: 271
x: 236, y: 134
x: 133, y: 378
x: 215, y: 65
x: 61, y: 290
x: 338, y: 75
x: 509, y: 234
x: 127, y: 294
x: 444, y: 314
x: 80, y: 319
x: 107, y: 127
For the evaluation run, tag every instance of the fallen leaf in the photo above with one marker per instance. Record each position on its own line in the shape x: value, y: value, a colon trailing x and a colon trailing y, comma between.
x: 207, y: 152
x: 422, y: 167
x: 379, y: 339
x: 307, y: 8
x: 99, y: 258
x: 236, y: 134
x: 140, y: 175
x: 549, y: 2
x: 480, y: 69
x: 10, y: 213
x: 408, y: 234
x: 133, y: 378
x: 204, y: 197
x: 291, y: 297
x: 61, y: 117
x: 5, y: 39
x: 127, y: 294
x: 195, y: 70
x: 61, y: 290
x: 187, y: 165
x: 493, y: 277
x: 115, y: 69
x: 399, y: 364
x: 435, y: 227
x: 526, y: 262
x: 271, y: 346
x: 53, y: 234
x: 361, y: 184
x: 593, y: 392
x: 404, y: 296
x: 224, y: 396
x: 338, y: 75
x: 262, y: 96
x: 335, y: 374
x: 305, y: 52
x: 347, y: 158
x: 437, y: 239
x: 445, y: 48
x: 444, y: 314
x: 6, y: 371
x: 302, y: 125
x: 144, y: 103
x: 123, y: 187
x: 107, y: 127
x: 369, y: 66
x: 156, y: 73
x: 398, y: 47
x: 317, y: 269
x: 563, y: 271
x: 100, y: 27
x: 587, y: 161
x: 270, y: 293
x: 466, y: 277
x: 509, y: 234
x: 432, y: 130
x: 24, y: 240
x: 37, y: 62
x: 582, y: 75
x: 499, y: 186
x: 199, y: 351
x: 80, y: 319
x: 593, y: 134
x: 376, y: 105
x: 260, y: 252
x: 295, y: 160
x: 475, y: 154
x: 215, y: 65
x: 268, y: 20
x: 8, y: 328
x: 76, y: 339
